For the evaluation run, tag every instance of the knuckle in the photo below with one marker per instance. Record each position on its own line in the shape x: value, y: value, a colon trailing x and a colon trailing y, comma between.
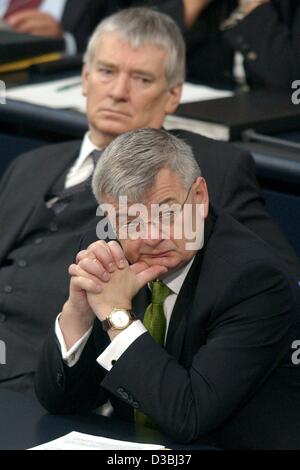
x: 96, y: 245
x: 81, y: 254
x: 114, y: 245
x: 81, y: 263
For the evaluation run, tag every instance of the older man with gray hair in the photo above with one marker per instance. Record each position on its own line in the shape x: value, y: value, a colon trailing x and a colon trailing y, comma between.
x: 132, y: 78
x: 194, y: 340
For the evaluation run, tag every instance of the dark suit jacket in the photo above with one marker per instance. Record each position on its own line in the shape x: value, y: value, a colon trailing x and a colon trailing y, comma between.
x: 268, y: 38
x: 43, y: 167
x: 225, y: 375
x: 230, y: 174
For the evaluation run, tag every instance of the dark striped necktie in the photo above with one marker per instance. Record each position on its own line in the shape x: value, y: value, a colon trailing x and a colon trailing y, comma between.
x: 59, y: 202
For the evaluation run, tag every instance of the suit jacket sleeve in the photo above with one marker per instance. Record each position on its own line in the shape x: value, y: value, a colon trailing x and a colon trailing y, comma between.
x: 61, y: 389
x: 271, y: 48
x: 5, y: 179
x: 245, y: 342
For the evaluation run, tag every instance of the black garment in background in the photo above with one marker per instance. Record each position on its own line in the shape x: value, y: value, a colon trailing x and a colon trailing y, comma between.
x: 33, y: 268
x: 268, y: 38
x: 80, y: 17
x: 230, y: 174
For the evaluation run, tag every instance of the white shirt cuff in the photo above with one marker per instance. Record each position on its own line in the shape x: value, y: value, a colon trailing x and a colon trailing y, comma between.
x: 119, y: 344
x: 70, y: 44
x: 71, y: 356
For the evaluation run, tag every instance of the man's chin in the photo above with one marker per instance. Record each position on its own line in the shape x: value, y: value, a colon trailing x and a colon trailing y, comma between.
x: 115, y: 124
x: 115, y: 129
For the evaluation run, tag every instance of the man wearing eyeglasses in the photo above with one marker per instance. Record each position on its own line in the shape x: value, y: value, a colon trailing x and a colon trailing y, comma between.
x: 189, y: 333
x: 132, y: 78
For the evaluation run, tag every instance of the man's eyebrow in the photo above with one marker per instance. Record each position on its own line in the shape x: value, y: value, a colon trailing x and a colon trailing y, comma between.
x: 167, y: 200
x: 106, y: 63
x: 146, y: 73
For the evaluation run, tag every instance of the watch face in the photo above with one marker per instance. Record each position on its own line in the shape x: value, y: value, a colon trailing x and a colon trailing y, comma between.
x: 119, y: 319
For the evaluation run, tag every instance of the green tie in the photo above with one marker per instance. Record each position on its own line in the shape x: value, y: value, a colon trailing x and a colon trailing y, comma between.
x: 155, y: 322
x: 154, y: 318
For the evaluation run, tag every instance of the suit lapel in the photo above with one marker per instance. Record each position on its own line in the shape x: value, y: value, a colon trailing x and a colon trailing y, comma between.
x: 284, y: 9
x: 184, y: 303
x: 141, y: 302
x: 181, y: 310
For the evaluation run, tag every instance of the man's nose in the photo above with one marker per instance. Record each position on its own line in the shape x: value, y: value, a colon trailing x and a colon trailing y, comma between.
x: 121, y: 88
x: 154, y: 235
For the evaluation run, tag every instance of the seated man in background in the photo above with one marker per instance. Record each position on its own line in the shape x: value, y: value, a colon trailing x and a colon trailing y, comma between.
x: 216, y: 362
x: 241, y: 41
x: 132, y: 77
x: 75, y: 20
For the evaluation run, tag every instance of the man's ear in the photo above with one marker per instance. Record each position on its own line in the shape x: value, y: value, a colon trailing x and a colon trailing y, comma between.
x: 201, y: 194
x: 173, y: 99
x: 85, y: 79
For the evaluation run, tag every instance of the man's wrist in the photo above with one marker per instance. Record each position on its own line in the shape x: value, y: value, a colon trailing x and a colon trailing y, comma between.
x: 104, y: 310
x: 71, y: 315
x: 73, y: 326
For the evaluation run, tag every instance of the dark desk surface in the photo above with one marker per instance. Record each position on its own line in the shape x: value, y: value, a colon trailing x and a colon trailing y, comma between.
x: 25, y: 424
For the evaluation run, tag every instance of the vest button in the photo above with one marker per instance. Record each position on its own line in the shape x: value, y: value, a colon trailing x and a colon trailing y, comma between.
x: 53, y: 227
x: 252, y: 56
x: 8, y: 289
x: 22, y: 263
x: 2, y: 318
x: 38, y: 241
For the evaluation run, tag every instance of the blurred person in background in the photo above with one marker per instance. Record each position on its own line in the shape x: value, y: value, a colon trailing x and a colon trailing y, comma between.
x: 74, y: 20
x: 249, y: 43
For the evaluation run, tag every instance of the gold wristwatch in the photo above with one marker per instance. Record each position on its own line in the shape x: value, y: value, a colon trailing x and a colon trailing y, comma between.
x: 118, y: 319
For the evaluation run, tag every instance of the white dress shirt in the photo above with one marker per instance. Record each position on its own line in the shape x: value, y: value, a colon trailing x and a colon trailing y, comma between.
x: 84, y: 165
x: 82, y: 168
x: 121, y: 342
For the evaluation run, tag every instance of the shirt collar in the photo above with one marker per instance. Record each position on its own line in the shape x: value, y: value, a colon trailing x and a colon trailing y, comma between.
x: 175, y: 280
x: 86, y: 149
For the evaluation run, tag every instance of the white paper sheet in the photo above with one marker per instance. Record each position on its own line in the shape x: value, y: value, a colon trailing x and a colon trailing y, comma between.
x: 66, y: 94
x: 79, y: 441
x: 191, y: 93
x: 59, y: 94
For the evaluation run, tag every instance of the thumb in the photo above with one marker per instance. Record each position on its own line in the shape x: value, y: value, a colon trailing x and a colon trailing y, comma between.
x: 150, y: 274
x: 138, y: 267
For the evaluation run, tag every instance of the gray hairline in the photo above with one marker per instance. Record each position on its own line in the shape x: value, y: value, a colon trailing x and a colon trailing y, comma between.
x: 176, y: 156
x: 175, y: 74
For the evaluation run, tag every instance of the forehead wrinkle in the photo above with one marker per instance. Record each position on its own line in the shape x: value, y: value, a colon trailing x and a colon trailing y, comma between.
x: 141, y: 51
